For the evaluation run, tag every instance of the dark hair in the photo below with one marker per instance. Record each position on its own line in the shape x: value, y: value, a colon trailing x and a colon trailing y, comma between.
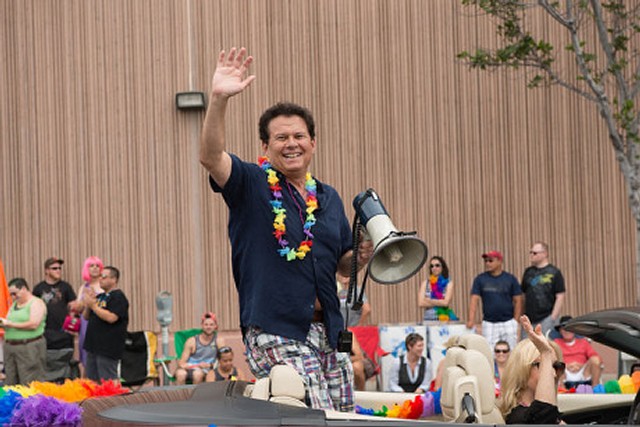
x: 287, y: 109
x: 19, y: 283
x: 502, y: 342
x: 115, y: 273
x: 445, y: 267
x: 411, y: 339
x: 224, y: 350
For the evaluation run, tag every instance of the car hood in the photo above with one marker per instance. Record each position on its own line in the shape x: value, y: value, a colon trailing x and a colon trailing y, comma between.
x: 618, y: 328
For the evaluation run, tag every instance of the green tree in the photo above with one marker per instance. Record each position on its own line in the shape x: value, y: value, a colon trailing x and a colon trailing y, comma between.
x: 603, y: 37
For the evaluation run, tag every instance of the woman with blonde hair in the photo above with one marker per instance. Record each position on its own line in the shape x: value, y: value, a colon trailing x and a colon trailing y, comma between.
x: 530, y: 383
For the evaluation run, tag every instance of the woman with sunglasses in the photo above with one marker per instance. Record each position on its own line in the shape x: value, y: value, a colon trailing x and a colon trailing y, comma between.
x: 501, y: 352
x: 530, y: 384
x: 436, y: 292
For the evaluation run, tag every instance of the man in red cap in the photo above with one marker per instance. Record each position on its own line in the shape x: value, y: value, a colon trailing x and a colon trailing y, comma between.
x: 501, y: 297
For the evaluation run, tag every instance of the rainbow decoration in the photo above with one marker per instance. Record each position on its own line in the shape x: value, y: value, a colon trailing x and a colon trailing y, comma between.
x: 422, y: 406
x: 626, y: 384
x: 437, y: 285
x: 50, y: 404
x: 279, y: 227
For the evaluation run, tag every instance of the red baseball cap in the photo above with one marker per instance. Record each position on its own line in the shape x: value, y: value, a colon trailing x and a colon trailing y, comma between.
x: 493, y: 254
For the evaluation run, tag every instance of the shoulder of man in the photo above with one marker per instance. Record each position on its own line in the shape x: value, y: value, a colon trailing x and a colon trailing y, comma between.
x: 39, y: 286
x: 65, y: 284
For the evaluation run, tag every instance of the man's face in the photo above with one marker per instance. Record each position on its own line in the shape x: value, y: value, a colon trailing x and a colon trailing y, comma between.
x: 417, y: 348
x: 566, y: 335
x: 290, y: 148
x: 537, y: 255
x: 209, y: 326
x: 15, y: 292
x: 492, y: 265
x: 53, y: 273
x: 107, y: 281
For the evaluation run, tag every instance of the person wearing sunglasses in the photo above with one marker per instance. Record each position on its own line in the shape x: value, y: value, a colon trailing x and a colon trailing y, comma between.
x: 24, y: 346
x: 436, y: 292
x: 58, y: 295
x: 501, y: 356
x: 543, y: 288
x: 501, y: 298
x: 530, y: 384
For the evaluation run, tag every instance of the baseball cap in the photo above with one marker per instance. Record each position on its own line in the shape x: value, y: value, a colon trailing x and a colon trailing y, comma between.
x: 493, y: 254
x: 563, y: 322
x: 53, y: 260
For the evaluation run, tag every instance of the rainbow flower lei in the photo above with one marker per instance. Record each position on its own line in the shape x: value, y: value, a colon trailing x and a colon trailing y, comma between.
x: 279, y: 228
x: 438, y: 285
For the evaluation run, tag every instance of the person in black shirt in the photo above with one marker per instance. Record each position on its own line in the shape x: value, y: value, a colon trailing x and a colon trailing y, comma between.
x: 530, y: 384
x: 543, y: 288
x: 108, y: 316
x: 56, y: 294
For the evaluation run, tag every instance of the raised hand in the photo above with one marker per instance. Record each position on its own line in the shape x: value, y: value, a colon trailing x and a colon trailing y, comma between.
x: 230, y: 77
x: 535, y: 335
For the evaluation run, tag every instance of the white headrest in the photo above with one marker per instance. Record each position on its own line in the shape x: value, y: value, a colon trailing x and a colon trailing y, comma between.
x: 261, y: 389
x: 285, y: 381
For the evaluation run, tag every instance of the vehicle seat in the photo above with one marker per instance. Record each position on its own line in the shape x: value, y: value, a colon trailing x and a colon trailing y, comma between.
x: 284, y: 385
x: 468, y: 388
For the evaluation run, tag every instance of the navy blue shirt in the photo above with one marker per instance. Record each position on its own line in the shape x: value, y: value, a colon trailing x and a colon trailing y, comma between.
x: 497, y: 294
x: 277, y: 295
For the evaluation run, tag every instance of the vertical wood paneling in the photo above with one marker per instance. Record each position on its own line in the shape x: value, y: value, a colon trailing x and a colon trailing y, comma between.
x: 96, y: 160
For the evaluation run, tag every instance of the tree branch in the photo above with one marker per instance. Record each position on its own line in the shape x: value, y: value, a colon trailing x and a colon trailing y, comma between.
x: 553, y: 12
x: 598, y: 90
x: 605, y: 43
x: 636, y: 86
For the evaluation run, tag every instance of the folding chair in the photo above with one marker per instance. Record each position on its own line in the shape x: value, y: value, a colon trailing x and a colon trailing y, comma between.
x: 369, y: 339
x: 179, y: 339
x: 137, y: 366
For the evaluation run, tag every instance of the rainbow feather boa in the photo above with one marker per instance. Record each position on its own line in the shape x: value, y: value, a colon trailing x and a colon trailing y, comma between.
x: 422, y: 406
x: 437, y: 285
x: 50, y: 404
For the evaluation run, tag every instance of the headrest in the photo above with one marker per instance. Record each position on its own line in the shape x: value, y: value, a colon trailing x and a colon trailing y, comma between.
x: 285, y: 381
x: 475, y: 363
x: 261, y: 389
x: 478, y: 343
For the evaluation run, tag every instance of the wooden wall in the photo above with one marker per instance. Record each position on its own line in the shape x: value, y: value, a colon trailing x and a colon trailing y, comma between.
x: 96, y: 160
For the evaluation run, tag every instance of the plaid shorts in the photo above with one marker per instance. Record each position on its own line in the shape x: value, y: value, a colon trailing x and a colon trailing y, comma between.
x: 496, y: 331
x: 327, y: 374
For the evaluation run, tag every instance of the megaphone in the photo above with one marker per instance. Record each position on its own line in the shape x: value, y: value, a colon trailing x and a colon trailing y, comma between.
x: 164, y: 305
x: 397, y: 255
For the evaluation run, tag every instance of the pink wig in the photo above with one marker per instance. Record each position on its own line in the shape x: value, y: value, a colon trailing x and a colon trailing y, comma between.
x: 85, y: 268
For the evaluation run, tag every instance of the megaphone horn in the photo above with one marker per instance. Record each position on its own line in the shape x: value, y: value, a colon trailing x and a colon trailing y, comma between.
x: 397, y: 255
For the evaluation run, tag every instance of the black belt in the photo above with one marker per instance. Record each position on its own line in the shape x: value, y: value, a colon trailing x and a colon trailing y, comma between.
x: 318, y: 316
x: 20, y: 342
